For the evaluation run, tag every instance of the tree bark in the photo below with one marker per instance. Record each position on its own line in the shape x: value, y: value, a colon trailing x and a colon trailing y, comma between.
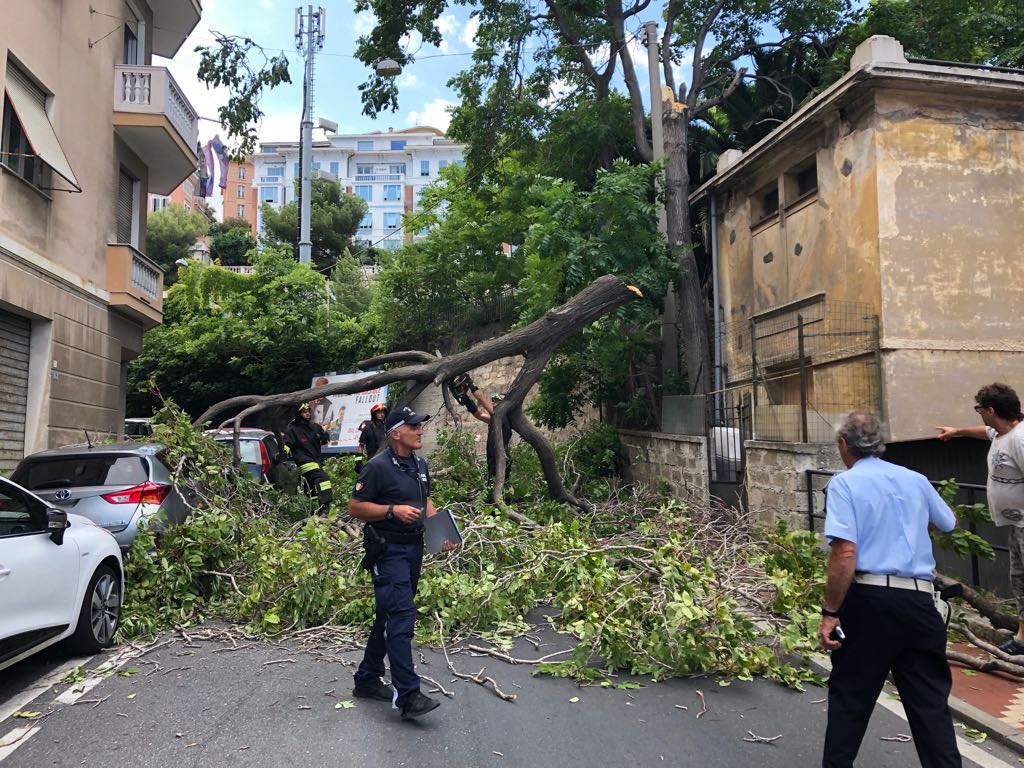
x: 535, y: 342
x: 987, y: 607
x: 689, y: 300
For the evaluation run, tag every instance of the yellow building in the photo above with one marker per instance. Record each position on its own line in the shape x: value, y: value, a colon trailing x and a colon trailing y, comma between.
x: 883, y: 223
x: 89, y: 127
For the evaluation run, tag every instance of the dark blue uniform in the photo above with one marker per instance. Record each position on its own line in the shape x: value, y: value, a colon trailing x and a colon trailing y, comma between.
x: 391, y: 479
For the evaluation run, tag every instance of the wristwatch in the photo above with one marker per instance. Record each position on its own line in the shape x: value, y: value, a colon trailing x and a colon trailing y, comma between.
x: 831, y: 614
x: 390, y: 514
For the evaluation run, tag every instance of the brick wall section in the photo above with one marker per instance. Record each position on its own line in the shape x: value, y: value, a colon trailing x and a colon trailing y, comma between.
x: 776, y: 480
x: 679, y: 460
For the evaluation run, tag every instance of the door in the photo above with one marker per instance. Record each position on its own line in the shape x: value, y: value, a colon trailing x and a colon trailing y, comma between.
x: 38, y: 579
x: 15, y: 334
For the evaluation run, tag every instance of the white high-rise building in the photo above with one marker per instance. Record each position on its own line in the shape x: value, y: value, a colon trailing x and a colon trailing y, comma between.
x: 388, y: 170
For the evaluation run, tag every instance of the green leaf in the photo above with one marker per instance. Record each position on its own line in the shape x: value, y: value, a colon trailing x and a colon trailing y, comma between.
x: 347, y: 704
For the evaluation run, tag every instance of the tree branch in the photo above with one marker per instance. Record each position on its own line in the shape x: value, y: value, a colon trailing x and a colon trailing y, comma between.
x: 698, y: 53
x: 707, y: 104
x: 637, y: 113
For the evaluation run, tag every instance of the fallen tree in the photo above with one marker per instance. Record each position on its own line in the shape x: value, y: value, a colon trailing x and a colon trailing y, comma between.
x: 535, y: 342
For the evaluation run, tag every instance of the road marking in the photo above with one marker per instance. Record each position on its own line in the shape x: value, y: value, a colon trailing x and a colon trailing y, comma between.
x: 17, y: 702
x: 18, y: 736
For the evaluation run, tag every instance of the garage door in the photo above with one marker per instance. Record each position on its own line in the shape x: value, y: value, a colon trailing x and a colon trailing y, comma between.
x: 14, y: 345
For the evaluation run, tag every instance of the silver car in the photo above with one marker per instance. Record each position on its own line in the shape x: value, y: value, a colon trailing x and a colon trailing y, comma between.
x: 118, y: 487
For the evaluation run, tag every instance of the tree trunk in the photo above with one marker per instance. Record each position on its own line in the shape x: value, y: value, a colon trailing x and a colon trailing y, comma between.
x: 689, y: 317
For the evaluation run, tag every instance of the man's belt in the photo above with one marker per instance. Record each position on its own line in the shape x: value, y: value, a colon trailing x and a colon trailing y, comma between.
x: 396, y: 537
x: 896, y: 582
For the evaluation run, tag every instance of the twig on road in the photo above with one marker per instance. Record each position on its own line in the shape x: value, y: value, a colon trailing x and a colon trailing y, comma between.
x: 902, y: 737
x: 754, y: 738
x: 278, y: 661
x: 478, y: 678
x: 703, y: 705
x: 440, y: 688
x: 512, y: 660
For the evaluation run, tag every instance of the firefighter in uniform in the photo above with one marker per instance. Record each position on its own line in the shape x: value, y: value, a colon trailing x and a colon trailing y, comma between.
x: 392, y: 496
x: 372, y: 437
x: 302, y: 441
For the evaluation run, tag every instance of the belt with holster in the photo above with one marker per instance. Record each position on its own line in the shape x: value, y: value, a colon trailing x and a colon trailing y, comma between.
x: 896, y: 582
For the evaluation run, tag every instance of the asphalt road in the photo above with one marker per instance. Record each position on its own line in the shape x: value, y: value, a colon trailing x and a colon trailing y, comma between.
x: 211, y: 705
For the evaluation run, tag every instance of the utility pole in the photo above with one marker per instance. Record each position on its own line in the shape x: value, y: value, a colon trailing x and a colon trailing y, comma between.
x: 310, y: 29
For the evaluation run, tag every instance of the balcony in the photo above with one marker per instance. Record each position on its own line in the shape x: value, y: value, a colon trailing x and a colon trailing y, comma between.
x: 154, y: 118
x: 135, y: 285
x: 380, y: 177
x: 173, y: 20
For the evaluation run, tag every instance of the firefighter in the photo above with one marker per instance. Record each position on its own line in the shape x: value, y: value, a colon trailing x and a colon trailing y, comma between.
x: 372, y: 437
x: 302, y: 441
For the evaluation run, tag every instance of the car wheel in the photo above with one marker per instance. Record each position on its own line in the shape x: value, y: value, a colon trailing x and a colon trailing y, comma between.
x: 100, y: 613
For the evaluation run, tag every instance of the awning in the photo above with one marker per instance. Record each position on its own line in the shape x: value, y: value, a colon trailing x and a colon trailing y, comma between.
x: 37, y: 128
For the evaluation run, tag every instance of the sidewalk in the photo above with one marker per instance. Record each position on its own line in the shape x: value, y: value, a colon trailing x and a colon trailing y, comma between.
x: 992, y: 702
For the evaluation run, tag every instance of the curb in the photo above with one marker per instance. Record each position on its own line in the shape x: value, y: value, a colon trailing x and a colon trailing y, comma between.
x: 1003, y: 733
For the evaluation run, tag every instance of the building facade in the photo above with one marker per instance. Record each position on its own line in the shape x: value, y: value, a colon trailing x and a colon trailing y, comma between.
x: 388, y: 170
x: 89, y: 127
x: 240, y: 194
x: 867, y: 253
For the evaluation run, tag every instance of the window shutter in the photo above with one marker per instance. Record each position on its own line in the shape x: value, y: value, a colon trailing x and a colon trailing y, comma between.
x: 125, y: 206
x: 30, y: 88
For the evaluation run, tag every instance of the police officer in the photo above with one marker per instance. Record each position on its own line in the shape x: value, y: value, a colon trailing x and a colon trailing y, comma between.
x: 879, y: 613
x: 302, y: 441
x: 372, y: 436
x: 392, y: 496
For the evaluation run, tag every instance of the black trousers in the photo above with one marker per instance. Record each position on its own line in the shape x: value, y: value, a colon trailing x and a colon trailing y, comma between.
x: 895, y: 630
x: 318, y: 486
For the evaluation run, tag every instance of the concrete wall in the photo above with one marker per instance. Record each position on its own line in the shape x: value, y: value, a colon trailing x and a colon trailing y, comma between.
x: 776, y: 481
x: 681, y: 461
x: 952, y: 244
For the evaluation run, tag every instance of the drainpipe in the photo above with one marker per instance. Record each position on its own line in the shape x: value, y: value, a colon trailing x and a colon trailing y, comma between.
x: 717, y: 365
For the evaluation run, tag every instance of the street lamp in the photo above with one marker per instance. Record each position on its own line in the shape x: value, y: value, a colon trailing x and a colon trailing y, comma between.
x: 388, y: 68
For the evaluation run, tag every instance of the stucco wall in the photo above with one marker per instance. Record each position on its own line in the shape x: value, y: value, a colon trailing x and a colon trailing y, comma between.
x: 952, y: 246
x: 776, y: 479
x: 678, y: 460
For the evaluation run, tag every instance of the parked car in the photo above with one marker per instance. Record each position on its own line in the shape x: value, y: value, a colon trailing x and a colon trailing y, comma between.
x: 117, y: 486
x: 138, y: 427
x: 261, y: 454
x: 61, y: 577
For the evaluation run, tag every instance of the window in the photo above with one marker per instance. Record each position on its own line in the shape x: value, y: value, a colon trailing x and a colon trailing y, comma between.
x: 765, y: 203
x: 364, y: 146
x: 397, y: 169
x: 398, y: 143
x: 130, y: 52
x: 392, y: 220
x: 801, y: 181
x: 364, y: 191
x: 269, y: 195
x: 189, y: 189
x: 241, y: 211
x: 366, y: 222
x: 364, y: 170
x: 83, y: 471
x: 460, y: 162
x: 392, y: 192
x: 424, y: 167
x: 316, y: 166
x: 241, y: 173
x: 240, y: 194
x: 127, y: 231
x: 441, y: 165
x: 18, y: 513
x: 296, y: 171
x: 275, y: 170
x: 334, y: 169
x: 159, y: 203
x: 16, y: 152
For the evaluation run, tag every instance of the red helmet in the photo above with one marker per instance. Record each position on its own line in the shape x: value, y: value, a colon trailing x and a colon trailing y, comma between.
x: 377, y: 408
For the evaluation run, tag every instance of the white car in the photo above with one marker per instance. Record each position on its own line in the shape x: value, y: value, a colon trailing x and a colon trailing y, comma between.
x: 61, y: 577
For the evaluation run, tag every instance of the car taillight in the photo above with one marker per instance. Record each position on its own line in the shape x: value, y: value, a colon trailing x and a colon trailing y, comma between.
x: 147, y: 493
x: 265, y: 458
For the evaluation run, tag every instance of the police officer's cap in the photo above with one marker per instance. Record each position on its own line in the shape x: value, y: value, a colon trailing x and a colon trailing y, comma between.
x: 402, y: 416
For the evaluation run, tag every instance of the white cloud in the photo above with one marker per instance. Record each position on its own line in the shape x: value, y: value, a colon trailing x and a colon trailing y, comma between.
x: 435, y: 114
x: 408, y: 80
x: 557, y: 90
x: 448, y: 26
x: 411, y: 42
x: 637, y: 52
x: 282, y: 126
x: 267, y: 5
x: 469, y: 32
x: 363, y: 23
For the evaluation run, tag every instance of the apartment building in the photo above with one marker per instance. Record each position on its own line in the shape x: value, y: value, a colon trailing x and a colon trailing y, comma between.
x: 240, y: 194
x: 387, y: 169
x: 89, y: 128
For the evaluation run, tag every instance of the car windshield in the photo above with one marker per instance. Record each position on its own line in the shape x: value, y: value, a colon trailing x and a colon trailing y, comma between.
x: 249, y: 450
x: 80, y: 471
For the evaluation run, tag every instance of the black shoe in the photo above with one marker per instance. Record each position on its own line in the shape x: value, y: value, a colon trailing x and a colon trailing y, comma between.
x: 372, y: 689
x: 1013, y: 646
x: 418, y: 704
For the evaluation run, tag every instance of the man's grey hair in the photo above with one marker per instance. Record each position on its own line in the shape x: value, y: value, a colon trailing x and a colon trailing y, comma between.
x: 863, y: 434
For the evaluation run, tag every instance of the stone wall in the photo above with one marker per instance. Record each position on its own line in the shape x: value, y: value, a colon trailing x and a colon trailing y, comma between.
x: 776, y: 479
x: 681, y: 461
x: 493, y: 378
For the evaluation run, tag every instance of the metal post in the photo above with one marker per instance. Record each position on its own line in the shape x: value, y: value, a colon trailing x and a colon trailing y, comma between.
x: 803, y: 377
x: 753, y: 379
x: 878, y: 366
x: 310, y: 45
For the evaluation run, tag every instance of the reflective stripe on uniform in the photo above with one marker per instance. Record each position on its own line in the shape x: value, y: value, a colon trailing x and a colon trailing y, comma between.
x: 325, y: 485
x: 309, y: 466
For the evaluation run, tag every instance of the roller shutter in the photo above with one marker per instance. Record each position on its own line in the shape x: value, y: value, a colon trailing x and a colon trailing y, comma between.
x: 15, y: 332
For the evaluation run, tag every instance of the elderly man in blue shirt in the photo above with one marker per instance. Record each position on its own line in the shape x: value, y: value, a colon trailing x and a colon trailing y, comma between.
x: 879, y: 612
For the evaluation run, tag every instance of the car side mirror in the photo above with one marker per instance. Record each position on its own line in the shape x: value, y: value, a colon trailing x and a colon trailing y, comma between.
x: 56, y: 524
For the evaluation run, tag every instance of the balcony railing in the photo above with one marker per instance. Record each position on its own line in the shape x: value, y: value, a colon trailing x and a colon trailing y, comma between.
x: 152, y: 90
x: 380, y: 176
x: 135, y: 285
x: 245, y: 269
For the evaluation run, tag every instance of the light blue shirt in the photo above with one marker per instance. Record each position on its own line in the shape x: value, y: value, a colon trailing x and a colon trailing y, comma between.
x: 885, y: 509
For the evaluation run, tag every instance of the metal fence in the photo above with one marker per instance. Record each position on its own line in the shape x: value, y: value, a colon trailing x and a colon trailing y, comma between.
x: 804, y: 366
x: 991, y: 575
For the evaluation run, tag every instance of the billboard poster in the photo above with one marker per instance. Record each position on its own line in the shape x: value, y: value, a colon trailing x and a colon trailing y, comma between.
x: 342, y: 416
